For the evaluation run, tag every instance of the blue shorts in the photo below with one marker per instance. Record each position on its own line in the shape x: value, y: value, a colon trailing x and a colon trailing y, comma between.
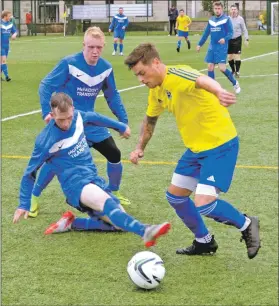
x: 213, y: 167
x: 95, y: 134
x: 119, y: 34
x: 4, y: 51
x: 182, y: 33
x: 216, y: 56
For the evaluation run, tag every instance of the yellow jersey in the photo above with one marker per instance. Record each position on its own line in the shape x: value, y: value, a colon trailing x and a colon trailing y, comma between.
x: 203, y: 122
x: 183, y: 22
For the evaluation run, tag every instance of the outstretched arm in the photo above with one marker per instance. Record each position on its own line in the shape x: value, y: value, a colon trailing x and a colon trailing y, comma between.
x: 146, y: 132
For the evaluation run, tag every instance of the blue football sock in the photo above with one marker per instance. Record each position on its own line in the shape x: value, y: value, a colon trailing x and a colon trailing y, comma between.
x: 92, y: 223
x: 4, y: 69
x: 115, y: 46
x: 121, y: 219
x: 114, y: 172
x: 224, y: 212
x: 229, y: 75
x: 188, y: 213
x: 211, y: 74
x: 45, y: 177
x: 179, y: 44
x: 121, y: 47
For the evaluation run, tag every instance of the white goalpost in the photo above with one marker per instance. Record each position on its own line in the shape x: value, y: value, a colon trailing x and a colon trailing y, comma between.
x: 274, y: 18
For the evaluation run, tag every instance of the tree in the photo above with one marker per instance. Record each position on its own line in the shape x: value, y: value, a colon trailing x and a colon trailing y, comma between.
x: 208, y: 5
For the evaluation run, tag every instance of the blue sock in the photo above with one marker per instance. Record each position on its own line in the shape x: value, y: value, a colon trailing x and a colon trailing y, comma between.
x: 114, y: 172
x: 121, y: 47
x: 45, y: 177
x: 224, y: 212
x: 211, y: 74
x: 229, y: 75
x: 121, y: 219
x: 179, y: 44
x: 115, y: 46
x: 4, y: 68
x: 188, y: 213
x: 92, y: 223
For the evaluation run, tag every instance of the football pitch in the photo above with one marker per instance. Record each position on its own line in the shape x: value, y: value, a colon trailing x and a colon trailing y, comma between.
x: 89, y: 268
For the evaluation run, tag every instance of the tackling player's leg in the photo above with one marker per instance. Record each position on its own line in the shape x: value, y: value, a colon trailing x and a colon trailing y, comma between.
x: 4, y: 67
x: 229, y: 75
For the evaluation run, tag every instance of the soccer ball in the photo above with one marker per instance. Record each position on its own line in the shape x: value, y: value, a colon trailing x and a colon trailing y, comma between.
x: 146, y: 270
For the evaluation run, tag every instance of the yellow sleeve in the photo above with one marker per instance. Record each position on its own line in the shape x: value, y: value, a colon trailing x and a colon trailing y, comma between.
x: 188, y: 20
x: 154, y: 108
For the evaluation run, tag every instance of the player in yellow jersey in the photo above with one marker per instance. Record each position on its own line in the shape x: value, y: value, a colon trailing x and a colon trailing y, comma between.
x: 206, y: 168
x: 182, y: 25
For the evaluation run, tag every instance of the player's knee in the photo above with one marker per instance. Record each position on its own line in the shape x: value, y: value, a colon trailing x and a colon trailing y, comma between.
x: 230, y: 57
x: 3, y: 61
x: 178, y: 191
x: 237, y: 57
x: 205, y: 194
x: 210, y: 67
x: 113, y: 154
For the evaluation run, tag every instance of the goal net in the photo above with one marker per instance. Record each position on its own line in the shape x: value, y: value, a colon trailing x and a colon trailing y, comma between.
x: 274, y: 18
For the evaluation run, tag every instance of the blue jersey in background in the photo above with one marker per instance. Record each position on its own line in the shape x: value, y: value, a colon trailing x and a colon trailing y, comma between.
x: 7, y: 29
x: 118, y: 22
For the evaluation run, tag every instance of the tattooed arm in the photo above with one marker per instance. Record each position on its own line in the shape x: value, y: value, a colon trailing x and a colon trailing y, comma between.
x: 146, y: 132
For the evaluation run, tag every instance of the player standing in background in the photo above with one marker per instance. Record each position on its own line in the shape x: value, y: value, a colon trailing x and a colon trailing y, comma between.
x: 173, y: 14
x: 220, y: 29
x: 63, y: 146
x: 119, y: 25
x: 206, y: 168
x: 28, y: 21
x: 8, y: 30
x: 235, y: 43
x: 82, y: 76
x: 182, y: 25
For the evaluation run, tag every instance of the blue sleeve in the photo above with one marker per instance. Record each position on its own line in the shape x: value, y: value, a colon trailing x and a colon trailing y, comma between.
x: 112, y: 25
x: 126, y: 23
x: 13, y: 30
x: 55, y: 79
x: 229, y: 30
x: 113, y: 99
x: 205, y: 35
x: 100, y: 120
x: 39, y: 156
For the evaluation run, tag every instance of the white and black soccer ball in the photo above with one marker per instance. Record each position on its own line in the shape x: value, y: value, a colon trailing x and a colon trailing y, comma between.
x: 146, y: 270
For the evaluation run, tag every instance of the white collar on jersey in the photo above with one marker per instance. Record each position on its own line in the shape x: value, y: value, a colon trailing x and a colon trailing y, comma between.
x: 87, y: 79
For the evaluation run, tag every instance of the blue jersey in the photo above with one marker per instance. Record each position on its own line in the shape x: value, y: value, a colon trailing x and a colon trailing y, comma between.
x: 218, y: 27
x: 82, y: 82
x: 7, y: 29
x: 118, y: 22
x: 68, y: 155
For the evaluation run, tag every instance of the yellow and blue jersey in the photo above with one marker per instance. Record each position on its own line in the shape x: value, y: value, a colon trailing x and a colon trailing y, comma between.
x: 183, y: 22
x: 203, y: 122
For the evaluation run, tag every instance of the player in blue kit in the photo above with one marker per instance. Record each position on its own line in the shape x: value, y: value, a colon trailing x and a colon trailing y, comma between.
x: 8, y: 30
x: 62, y: 145
x: 82, y: 76
x: 119, y: 25
x: 220, y: 29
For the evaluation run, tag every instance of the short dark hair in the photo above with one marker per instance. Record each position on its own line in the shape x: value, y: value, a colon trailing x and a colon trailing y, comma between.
x: 144, y: 53
x: 181, y: 10
x: 233, y: 5
x: 218, y: 3
x: 61, y: 101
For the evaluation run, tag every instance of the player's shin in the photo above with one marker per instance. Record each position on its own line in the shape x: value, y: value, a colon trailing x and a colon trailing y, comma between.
x: 188, y: 213
x: 211, y: 74
x: 237, y: 65
x: 229, y: 75
x: 232, y: 65
x: 4, y: 69
x: 121, y: 47
x: 115, y: 47
x: 114, y: 172
x: 91, y: 224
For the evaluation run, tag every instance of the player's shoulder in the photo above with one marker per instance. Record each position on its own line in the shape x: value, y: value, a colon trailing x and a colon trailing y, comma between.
x: 45, y: 138
x: 73, y: 58
x: 182, y: 70
x: 104, y: 63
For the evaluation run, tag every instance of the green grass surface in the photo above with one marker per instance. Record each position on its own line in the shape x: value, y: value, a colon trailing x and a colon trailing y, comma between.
x: 86, y: 268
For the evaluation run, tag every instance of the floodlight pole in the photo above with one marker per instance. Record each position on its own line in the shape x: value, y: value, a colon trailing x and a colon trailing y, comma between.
x: 45, y: 16
x: 268, y: 16
x: 147, y: 16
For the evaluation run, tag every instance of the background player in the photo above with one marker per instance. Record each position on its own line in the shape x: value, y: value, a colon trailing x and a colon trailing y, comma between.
x: 83, y: 76
x: 182, y: 25
x: 119, y: 25
x: 221, y: 31
x: 8, y: 30
x: 208, y: 132
x: 63, y: 146
x: 235, y: 44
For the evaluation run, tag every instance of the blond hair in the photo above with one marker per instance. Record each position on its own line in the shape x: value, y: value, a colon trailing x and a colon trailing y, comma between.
x: 61, y: 101
x: 144, y: 53
x: 95, y: 32
x: 5, y: 13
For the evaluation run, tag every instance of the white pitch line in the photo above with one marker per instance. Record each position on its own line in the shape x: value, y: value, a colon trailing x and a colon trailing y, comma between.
x: 125, y: 89
x: 252, y: 76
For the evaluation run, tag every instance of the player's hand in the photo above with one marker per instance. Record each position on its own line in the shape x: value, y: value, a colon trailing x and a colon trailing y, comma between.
x: 198, y: 48
x: 47, y: 118
x: 126, y: 134
x: 136, y: 155
x: 246, y: 43
x: 13, y: 37
x: 226, y: 98
x: 123, y: 28
x: 109, y: 30
x: 19, y: 213
x: 221, y: 41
